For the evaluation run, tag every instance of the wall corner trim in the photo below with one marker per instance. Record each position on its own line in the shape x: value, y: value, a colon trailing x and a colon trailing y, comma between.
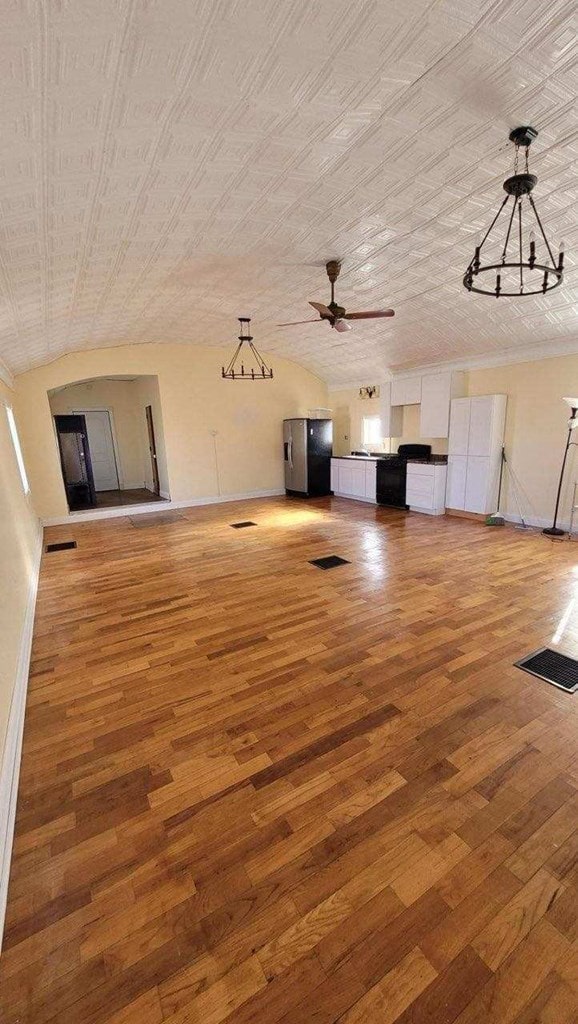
x: 10, y: 766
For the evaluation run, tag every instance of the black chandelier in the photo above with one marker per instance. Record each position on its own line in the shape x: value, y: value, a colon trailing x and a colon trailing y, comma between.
x: 508, y: 272
x: 236, y: 370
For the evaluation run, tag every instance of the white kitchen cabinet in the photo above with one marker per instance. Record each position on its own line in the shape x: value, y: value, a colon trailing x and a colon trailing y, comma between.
x: 456, y: 481
x: 459, y: 426
x: 370, y: 481
x: 475, y: 452
x: 437, y: 391
x: 406, y: 391
x: 354, y: 478
x: 480, y: 435
x: 478, y: 484
x: 391, y: 417
x: 426, y: 487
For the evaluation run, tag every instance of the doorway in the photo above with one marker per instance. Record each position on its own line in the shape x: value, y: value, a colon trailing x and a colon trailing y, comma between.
x: 123, y: 437
x: 102, y: 449
x: 153, y: 450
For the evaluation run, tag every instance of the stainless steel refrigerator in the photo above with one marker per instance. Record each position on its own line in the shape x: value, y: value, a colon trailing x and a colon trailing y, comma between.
x: 307, y: 448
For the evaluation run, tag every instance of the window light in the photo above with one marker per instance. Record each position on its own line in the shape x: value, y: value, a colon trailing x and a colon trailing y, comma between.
x: 371, y: 430
x: 17, y: 449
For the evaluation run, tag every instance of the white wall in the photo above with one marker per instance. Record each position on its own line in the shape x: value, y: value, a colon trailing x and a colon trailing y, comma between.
x: 20, y: 541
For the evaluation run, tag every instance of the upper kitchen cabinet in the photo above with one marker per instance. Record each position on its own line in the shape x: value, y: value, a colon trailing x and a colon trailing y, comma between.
x: 406, y: 391
x: 391, y: 417
x: 437, y: 392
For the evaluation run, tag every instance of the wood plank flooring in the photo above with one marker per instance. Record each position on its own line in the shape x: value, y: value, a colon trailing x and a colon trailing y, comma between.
x: 256, y: 792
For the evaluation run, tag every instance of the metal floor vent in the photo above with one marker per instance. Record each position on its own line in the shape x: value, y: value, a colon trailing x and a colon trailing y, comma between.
x: 241, y: 526
x: 63, y: 546
x: 330, y: 562
x: 553, y: 667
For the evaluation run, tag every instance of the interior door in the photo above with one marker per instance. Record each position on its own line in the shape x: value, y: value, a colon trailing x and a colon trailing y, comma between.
x: 75, y: 461
x: 153, y: 449
x: 102, y: 455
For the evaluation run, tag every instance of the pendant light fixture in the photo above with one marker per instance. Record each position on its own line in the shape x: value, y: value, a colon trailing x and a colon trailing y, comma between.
x: 236, y: 370
x: 521, y: 262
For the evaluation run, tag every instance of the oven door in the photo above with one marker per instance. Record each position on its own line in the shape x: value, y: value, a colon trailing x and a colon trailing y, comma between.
x: 391, y: 481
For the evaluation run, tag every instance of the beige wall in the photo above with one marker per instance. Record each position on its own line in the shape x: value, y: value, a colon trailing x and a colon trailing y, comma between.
x: 536, y: 429
x: 195, y: 400
x: 19, y: 549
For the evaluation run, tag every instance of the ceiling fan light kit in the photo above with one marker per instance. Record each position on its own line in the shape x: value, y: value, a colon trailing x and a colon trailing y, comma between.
x: 520, y: 271
x: 236, y: 369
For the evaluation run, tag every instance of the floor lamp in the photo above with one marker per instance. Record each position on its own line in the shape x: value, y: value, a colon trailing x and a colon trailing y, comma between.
x: 553, y: 530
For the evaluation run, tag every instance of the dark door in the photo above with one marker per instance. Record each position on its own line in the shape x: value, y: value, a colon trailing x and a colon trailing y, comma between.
x: 75, y: 461
x: 153, y: 449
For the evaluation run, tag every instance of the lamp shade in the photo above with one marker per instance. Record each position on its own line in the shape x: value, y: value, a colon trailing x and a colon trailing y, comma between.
x: 572, y: 402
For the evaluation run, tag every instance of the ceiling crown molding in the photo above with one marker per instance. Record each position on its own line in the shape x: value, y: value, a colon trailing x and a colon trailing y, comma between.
x: 6, y: 376
x: 522, y: 354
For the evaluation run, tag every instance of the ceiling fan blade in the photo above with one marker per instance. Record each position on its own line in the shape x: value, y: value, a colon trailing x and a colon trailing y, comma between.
x: 296, y: 323
x: 370, y: 315
x: 342, y: 325
x: 322, y: 308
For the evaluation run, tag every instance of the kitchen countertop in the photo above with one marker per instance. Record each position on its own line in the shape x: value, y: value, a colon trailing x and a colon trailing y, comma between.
x: 435, y: 460
x: 358, y: 458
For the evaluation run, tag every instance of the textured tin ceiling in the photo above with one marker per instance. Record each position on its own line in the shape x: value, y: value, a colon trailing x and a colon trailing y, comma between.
x: 167, y: 165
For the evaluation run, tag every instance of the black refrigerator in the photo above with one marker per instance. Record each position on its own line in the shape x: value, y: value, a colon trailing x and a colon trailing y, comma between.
x: 307, y: 449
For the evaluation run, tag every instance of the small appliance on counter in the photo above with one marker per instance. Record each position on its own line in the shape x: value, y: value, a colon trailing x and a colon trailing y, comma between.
x: 392, y: 473
x: 307, y: 450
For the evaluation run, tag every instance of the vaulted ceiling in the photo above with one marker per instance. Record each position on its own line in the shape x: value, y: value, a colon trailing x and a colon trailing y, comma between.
x: 169, y: 165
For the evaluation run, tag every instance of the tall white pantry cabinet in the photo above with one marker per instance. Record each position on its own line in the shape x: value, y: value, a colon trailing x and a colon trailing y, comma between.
x: 474, y: 453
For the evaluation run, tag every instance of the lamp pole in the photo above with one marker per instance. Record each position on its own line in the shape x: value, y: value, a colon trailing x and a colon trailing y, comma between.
x: 553, y: 530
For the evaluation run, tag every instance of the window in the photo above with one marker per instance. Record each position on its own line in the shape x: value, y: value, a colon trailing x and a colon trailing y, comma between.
x: 17, y: 448
x: 371, y: 430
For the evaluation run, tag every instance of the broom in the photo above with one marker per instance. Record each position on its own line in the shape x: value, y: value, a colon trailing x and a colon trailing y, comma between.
x: 496, y: 519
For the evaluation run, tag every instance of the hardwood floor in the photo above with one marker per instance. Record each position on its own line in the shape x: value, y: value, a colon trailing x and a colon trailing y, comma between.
x: 255, y: 791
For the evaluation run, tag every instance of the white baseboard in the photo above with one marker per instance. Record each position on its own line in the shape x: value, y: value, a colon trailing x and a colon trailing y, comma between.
x: 10, y: 766
x: 538, y: 523
x: 74, y: 518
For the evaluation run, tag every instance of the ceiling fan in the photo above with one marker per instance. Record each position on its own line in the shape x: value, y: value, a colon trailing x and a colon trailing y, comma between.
x: 336, y: 315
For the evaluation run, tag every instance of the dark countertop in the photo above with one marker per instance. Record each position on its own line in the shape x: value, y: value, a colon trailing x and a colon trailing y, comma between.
x: 439, y: 460
x: 359, y: 458
x: 436, y: 460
